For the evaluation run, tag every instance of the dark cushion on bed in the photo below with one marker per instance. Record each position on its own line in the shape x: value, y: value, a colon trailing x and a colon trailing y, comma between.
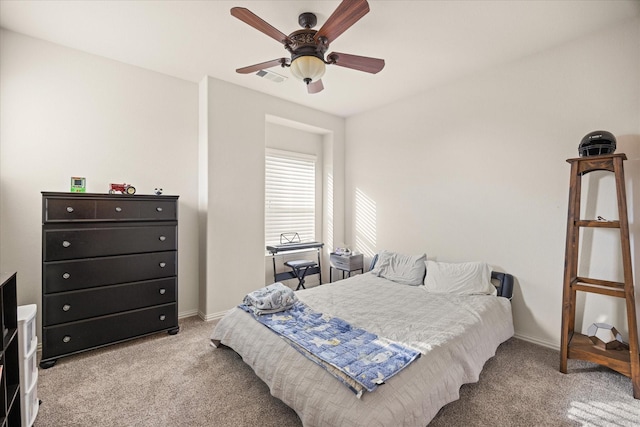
x: 505, y: 287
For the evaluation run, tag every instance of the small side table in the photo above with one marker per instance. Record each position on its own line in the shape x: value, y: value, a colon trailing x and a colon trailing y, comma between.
x: 345, y: 263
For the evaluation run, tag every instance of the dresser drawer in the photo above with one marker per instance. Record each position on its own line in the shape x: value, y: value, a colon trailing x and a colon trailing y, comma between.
x: 78, y: 336
x: 61, y: 244
x: 69, y: 209
x: 125, y: 209
x: 131, y: 210
x: 62, y: 276
x: 158, y: 210
x: 69, y: 306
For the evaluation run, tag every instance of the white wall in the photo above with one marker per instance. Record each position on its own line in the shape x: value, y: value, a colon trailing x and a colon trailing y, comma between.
x: 66, y: 113
x: 237, y: 121
x: 475, y: 170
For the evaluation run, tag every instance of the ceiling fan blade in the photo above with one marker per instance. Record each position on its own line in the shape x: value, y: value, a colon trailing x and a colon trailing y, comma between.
x: 360, y: 63
x: 261, y: 66
x: 315, y: 87
x: 345, y: 15
x: 250, y: 18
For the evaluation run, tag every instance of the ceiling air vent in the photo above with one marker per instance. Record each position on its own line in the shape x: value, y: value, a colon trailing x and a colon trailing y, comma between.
x: 270, y: 75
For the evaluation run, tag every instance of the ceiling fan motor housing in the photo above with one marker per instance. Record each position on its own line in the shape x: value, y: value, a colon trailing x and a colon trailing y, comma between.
x: 303, y: 43
x: 307, y: 55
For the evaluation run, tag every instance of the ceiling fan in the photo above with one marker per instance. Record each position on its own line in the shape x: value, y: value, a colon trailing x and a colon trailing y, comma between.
x: 307, y: 46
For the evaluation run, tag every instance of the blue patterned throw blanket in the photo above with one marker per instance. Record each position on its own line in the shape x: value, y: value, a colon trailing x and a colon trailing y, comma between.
x: 360, y: 359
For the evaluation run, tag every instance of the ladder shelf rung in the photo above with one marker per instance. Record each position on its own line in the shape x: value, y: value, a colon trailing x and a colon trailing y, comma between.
x: 596, y: 223
x: 598, y: 282
x: 597, y: 286
x: 602, y: 291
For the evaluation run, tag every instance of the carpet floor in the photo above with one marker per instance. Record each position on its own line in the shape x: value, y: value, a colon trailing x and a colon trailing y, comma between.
x: 180, y: 380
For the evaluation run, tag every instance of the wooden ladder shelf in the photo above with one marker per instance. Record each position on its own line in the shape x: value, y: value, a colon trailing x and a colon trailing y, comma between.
x: 573, y: 344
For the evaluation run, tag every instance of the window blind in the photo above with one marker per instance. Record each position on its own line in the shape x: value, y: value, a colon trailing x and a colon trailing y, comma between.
x: 289, y: 195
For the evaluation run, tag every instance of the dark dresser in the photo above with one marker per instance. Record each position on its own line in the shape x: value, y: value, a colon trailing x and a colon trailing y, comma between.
x: 109, y: 270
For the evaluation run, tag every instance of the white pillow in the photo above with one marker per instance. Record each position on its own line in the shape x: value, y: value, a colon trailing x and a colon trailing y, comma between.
x: 464, y: 278
x: 399, y: 268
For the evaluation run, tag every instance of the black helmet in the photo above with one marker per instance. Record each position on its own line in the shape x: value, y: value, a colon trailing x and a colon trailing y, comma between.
x: 597, y: 143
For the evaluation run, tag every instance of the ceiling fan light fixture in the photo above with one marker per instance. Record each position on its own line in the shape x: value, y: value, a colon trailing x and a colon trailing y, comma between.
x: 308, y: 68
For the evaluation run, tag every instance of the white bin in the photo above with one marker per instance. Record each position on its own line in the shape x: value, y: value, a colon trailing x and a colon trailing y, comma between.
x: 28, y: 341
x: 27, y: 328
x: 30, y: 404
x: 29, y: 374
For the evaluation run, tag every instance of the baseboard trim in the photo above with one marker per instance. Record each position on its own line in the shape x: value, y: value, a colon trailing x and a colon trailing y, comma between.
x: 189, y: 313
x: 213, y: 316
x: 538, y: 341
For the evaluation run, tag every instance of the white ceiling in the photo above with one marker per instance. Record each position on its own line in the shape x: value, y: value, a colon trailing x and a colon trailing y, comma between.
x: 424, y: 43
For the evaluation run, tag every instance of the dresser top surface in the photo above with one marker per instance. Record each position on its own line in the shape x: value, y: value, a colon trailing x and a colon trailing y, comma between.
x: 53, y: 194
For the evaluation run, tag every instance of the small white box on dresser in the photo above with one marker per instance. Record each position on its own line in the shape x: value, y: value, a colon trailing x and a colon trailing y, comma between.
x: 28, y: 341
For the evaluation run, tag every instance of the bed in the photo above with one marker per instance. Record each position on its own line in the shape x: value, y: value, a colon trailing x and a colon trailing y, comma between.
x: 455, y: 328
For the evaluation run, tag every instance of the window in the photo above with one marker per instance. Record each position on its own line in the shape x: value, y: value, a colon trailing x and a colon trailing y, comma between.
x: 290, y: 195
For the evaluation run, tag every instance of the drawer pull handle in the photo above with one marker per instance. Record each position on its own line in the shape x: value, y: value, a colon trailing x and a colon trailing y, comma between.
x: 66, y: 243
x: 162, y: 238
x: 118, y: 209
x: 159, y: 209
x: 66, y: 307
x: 66, y: 275
x: 163, y: 264
x: 162, y: 317
x: 66, y: 338
x: 69, y: 209
x: 163, y: 291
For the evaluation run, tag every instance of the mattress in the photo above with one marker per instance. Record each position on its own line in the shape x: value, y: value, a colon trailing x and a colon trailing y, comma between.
x: 456, y: 335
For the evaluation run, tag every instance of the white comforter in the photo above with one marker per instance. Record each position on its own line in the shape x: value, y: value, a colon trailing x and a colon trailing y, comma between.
x: 456, y: 335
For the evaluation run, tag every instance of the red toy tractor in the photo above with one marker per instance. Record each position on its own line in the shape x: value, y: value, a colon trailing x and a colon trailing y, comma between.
x: 122, y: 189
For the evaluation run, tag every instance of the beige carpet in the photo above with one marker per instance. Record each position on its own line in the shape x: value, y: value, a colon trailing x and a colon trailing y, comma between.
x: 165, y: 380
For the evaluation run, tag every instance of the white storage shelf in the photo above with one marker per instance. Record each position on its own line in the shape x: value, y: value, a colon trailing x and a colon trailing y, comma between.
x: 28, y: 363
x: 30, y: 404
x: 30, y: 372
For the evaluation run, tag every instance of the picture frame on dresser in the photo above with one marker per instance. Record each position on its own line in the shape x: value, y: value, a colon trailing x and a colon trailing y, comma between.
x: 109, y: 270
